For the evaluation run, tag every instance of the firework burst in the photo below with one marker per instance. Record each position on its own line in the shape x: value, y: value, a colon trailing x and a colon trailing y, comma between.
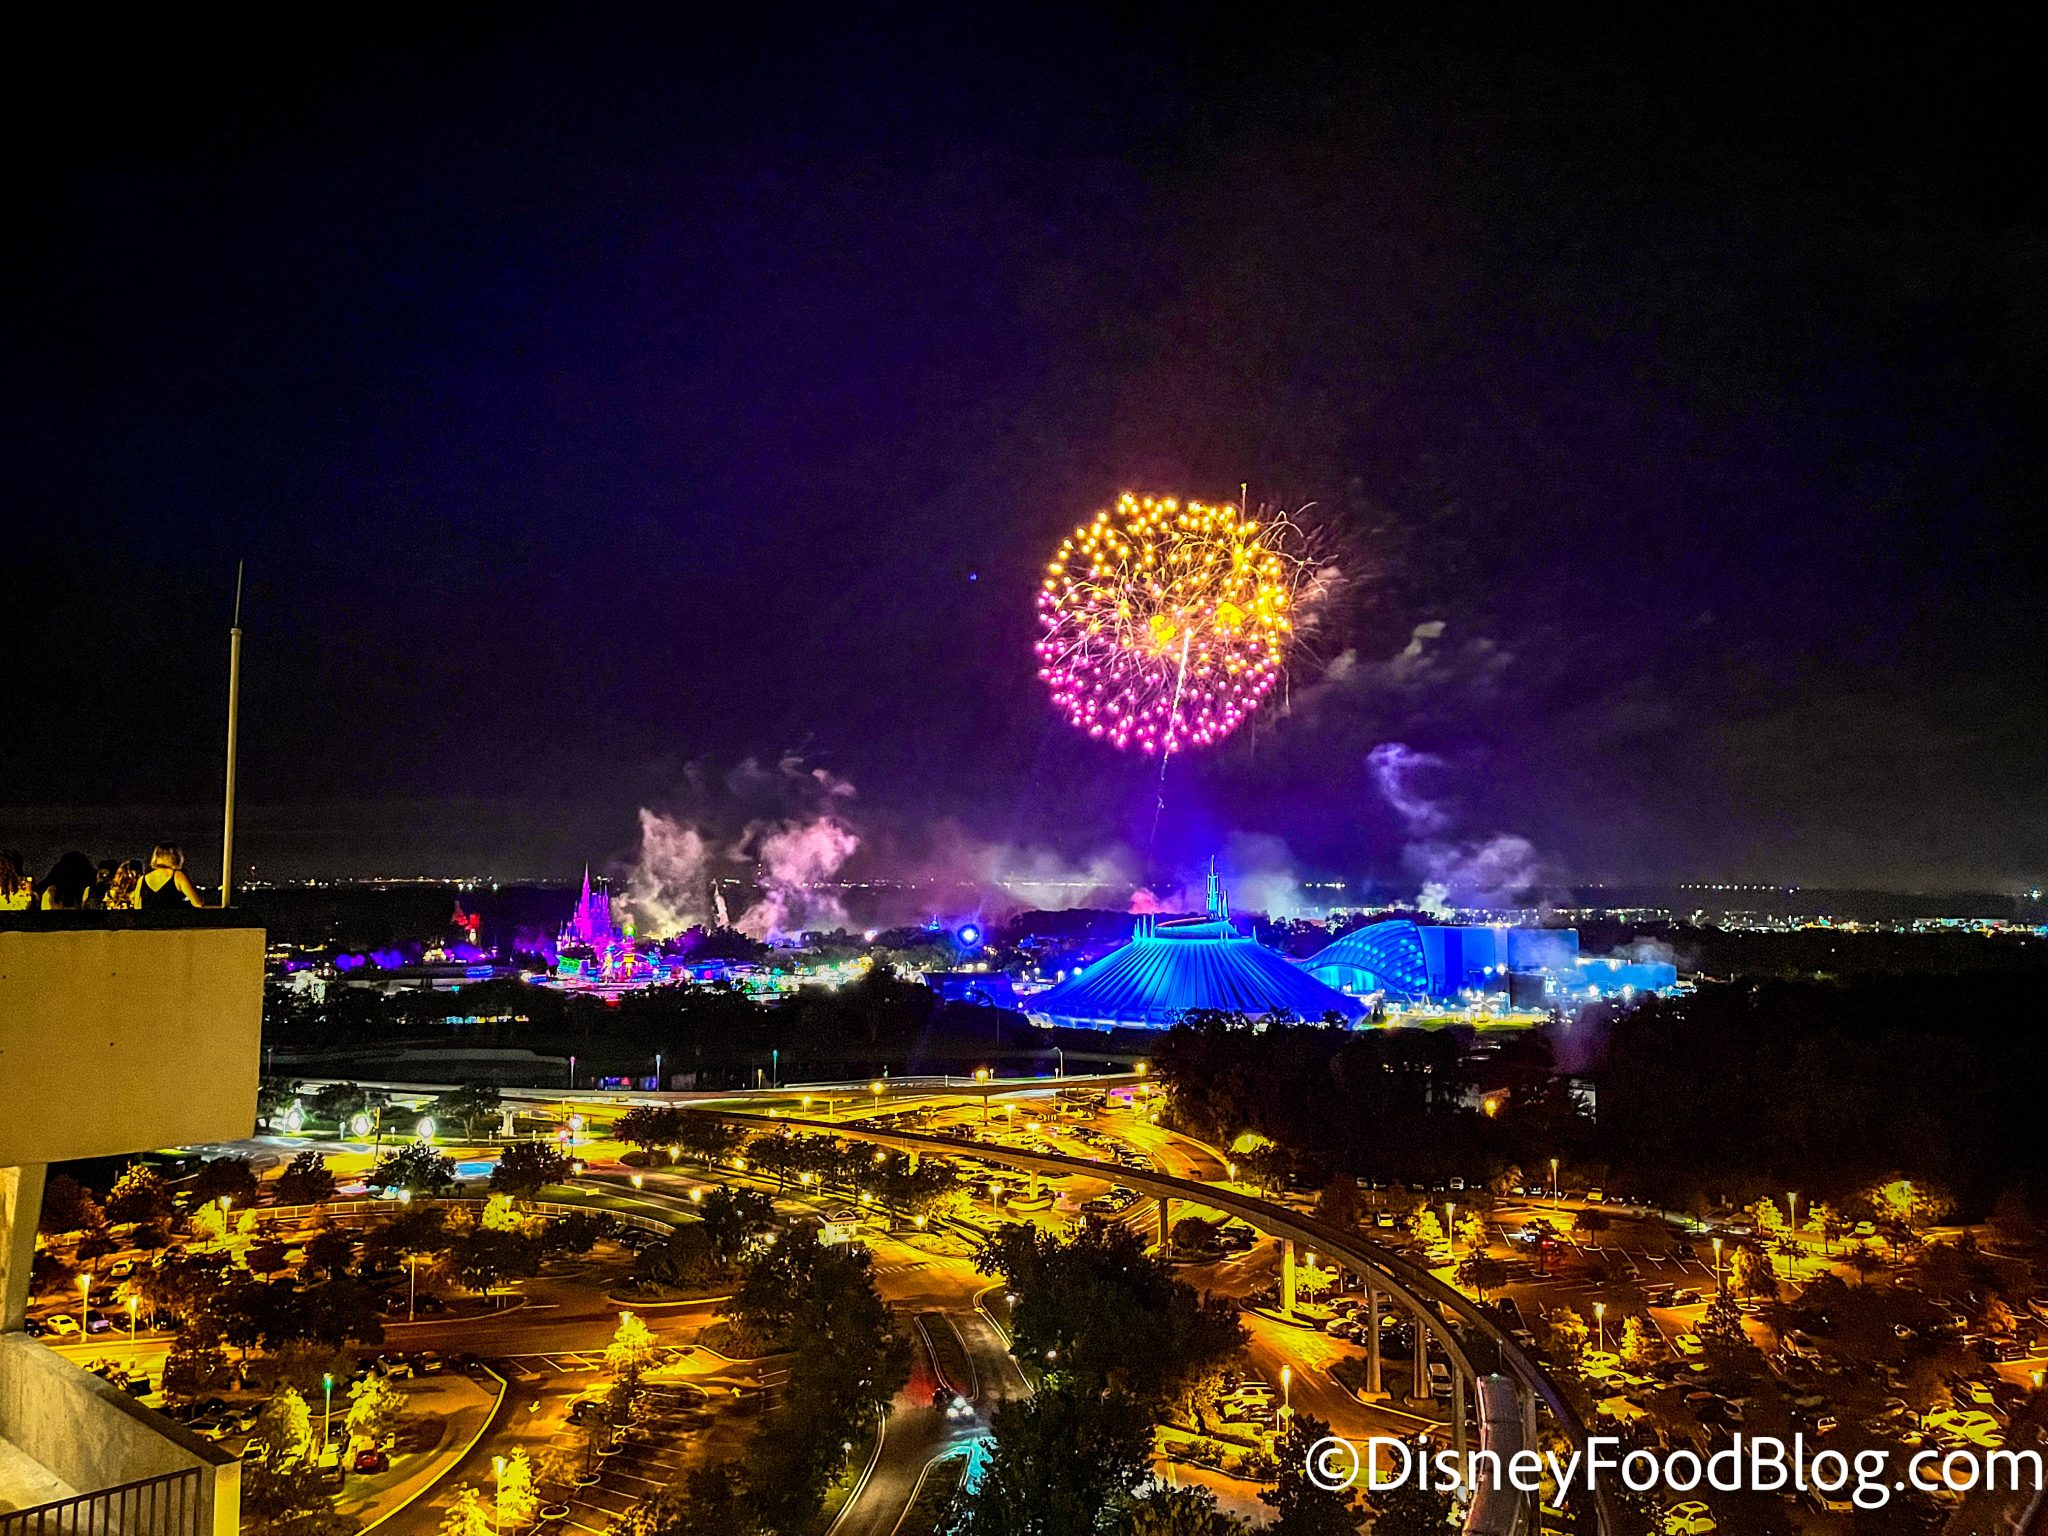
x: 1166, y: 623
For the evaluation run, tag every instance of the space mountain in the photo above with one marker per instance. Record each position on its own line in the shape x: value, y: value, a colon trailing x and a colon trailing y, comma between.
x: 1192, y: 962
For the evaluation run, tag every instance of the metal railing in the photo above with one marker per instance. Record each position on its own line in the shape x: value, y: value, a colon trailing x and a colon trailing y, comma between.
x: 171, y: 1505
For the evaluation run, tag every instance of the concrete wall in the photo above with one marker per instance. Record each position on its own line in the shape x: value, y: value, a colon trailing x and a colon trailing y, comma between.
x: 118, y: 1039
x: 95, y: 1436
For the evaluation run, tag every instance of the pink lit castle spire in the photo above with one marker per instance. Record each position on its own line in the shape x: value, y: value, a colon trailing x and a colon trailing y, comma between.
x: 591, y: 921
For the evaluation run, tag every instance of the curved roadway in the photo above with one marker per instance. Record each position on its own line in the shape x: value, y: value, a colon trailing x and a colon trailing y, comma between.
x: 1408, y: 1282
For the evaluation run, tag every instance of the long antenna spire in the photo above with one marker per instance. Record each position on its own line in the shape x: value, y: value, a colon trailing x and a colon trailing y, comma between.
x: 227, y: 831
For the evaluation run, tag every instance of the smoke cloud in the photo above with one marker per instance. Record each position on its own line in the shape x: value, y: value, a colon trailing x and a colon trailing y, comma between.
x: 795, y: 859
x: 1502, y: 870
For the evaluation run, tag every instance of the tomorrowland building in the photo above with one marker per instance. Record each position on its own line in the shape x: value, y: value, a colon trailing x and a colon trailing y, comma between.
x: 1195, y: 962
x: 1393, y: 967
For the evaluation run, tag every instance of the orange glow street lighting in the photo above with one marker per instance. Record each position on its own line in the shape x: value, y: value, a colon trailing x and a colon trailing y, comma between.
x: 1717, y: 1266
x: 1600, y: 1317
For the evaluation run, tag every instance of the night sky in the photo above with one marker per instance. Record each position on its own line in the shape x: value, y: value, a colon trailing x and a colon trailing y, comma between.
x: 604, y: 399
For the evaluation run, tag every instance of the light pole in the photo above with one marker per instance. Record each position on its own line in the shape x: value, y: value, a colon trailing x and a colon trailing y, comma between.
x: 1553, y: 1181
x: 131, y: 1322
x: 572, y: 1073
x: 1286, y: 1390
x: 227, y: 1203
x: 497, y: 1493
x: 1600, y: 1317
x: 982, y: 1075
x: 1792, y: 1202
x: 657, y: 1071
x: 1717, y: 1267
x: 875, y: 1088
x: 85, y: 1303
x: 327, y: 1419
x: 412, y: 1261
x: 1057, y: 1051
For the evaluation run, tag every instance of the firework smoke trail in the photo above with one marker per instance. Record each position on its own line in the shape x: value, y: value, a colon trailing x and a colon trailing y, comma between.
x: 1166, y: 753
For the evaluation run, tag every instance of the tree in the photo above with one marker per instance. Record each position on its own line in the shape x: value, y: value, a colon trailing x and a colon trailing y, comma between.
x: 374, y: 1409
x: 330, y: 1251
x: 210, y: 1224
x: 1640, y: 1346
x: 290, y: 1499
x: 141, y: 1196
x: 1765, y: 1215
x: 1753, y: 1273
x: 632, y: 1350
x: 470, y: 1514
x: 1301, y: 1507
x: 576, y: 1232
x: 517, y: 1501
x: 1472, y: 1232
x: 483, y: 1259
x: 1337, y: 1204
x: 284, y: 1426
x: 733, y: 1218
x: 463, y: 1107
x: 339, y: 1103
x: 96, y: 1245
x: 526, y: 1168
x: 224, y: 1178
x: 1412, y: 1507
x: 1588, y: 1224
x: 417, y: 1168
x: 1481, y: 1274
x: 68, y: 1206
x: 1061, y: 1460
x: 647, y: 1126
x: 498, y: 1215
x: 1568, y: 1334
x: 1429, y: 1231
x: 266, y: 1257
x: 1191, y: 1234
x: 305, y: 1181
x: 1181, y: 1512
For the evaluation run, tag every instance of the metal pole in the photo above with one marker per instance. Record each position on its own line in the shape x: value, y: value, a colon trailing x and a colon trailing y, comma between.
x: 227, y: 831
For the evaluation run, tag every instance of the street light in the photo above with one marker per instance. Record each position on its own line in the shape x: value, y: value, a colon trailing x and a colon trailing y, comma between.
x: 1286, y: 1390
x: 327, y: 1419
x: 1792, y: 1200
x: 84, y: 1299
x: 411, y: 1282
x: 497, y: 1492
x: 876, y: 1089
x: 1717, y: 1266
x: 131, y: 1322
x: 1600, y: 1317
x: 1553, y: 1181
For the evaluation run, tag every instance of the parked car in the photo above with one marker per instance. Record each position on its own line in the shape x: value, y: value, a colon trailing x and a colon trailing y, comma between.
x: 371, y: 1459
x: 1692, y: 1518
x: 62, y: 1324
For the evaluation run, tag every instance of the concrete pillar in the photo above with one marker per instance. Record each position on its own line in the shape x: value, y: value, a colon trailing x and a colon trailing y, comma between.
x: 1420, y: 1383
x: 1287, y: 1276
x: 21, y: 1207
x: 1372, y: 1343
x: 1165, y: 1223
x: 1527, y: 1401
x: 1458, y: 1417
x: 505, y: 1122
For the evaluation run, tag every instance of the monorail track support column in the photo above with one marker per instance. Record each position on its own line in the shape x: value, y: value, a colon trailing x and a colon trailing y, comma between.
x: 1372, y: 1343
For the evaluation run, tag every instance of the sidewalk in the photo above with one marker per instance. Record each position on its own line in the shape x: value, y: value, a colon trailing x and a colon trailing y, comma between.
x: 454, y: 1410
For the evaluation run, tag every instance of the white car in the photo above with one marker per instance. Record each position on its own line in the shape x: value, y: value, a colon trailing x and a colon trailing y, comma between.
x: 1692, y: 1518
x: 63, y: 1324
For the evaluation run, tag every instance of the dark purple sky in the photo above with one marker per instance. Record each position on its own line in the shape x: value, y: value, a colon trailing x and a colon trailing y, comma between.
x: 598, y: 394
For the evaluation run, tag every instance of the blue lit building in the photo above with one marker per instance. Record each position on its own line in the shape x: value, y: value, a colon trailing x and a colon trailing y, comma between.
x: 1200, y: 962
x: 1406, y: 962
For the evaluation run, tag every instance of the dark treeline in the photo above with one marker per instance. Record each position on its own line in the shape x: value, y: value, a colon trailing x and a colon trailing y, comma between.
x: 880, y: 1021
x: 1736, y: 1091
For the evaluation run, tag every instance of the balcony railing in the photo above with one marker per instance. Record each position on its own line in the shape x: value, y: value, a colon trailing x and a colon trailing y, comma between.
x: 171, y: 1505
